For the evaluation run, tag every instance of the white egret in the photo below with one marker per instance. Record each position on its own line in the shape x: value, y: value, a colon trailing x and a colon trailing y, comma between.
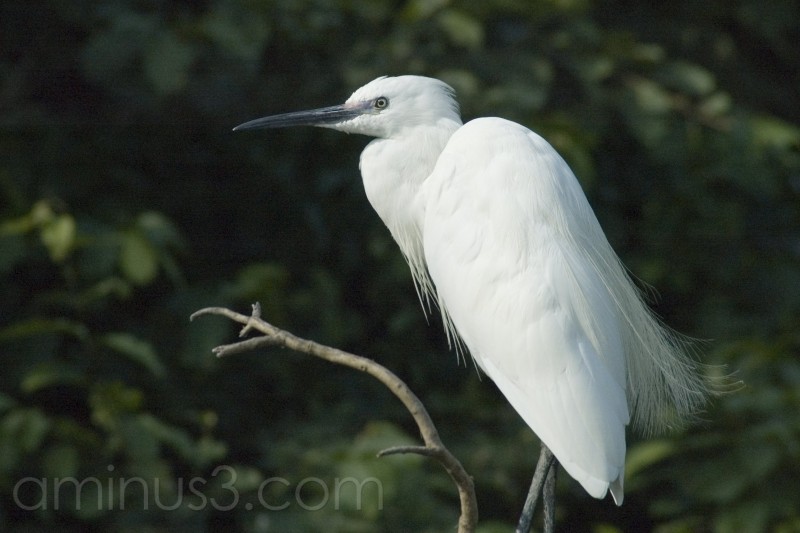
x: 497, y: 230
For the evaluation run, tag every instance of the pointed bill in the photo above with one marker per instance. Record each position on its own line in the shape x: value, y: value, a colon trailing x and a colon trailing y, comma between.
x: 326, y: 116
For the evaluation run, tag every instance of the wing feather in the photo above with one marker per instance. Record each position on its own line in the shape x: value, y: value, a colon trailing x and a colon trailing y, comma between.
x: 513, y: 281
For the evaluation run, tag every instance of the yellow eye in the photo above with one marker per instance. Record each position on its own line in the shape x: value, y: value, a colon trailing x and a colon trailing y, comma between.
x: 381, y: 102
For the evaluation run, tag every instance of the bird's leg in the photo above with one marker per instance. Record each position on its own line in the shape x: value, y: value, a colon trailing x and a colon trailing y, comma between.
x: 545, y: 470
x: 549, y: 498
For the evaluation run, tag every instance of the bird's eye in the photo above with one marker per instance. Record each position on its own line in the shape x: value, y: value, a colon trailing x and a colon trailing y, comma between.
x: 381, y: 102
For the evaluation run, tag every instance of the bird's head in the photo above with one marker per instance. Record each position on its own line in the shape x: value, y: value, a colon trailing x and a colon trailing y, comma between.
x: 382, y: 108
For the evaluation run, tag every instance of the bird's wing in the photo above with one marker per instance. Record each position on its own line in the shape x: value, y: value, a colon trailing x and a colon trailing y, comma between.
x: 505, y: 234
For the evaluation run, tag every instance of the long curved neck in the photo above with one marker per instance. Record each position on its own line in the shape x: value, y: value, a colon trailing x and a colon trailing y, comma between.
x: 393, y: 171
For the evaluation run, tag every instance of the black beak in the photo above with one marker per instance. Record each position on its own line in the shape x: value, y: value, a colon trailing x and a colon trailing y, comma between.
x: 325, y: 116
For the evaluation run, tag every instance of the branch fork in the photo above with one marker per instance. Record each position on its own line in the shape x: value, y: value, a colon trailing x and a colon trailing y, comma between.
x: 433, y: 447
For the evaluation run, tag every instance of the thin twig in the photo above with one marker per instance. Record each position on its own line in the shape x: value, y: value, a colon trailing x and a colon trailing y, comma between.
x: 398, y: 450
x: 273, y: 336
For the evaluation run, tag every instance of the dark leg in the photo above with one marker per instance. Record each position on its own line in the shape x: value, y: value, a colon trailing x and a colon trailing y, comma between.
x: 545, y: 469
x: 549, y: 498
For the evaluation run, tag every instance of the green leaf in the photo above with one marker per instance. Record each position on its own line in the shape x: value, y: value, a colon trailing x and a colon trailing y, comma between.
x: 111, y: 287
x: 17, y: 226
x: 261, y: 281
x: 175, y: 437
x: 422, y: 9
x: 651, y: 97
x: 110, y: 400
x: 461, y: 28
x: 26, y: 428
x: 58, y: 236
x: 716, y: 104
x: 138, y: 259
x: 208, y: 450
x: 158, y: 229
x: 48, y: 374
x: 689, y: 78
x: 41, y: 326
x: 41, y: 213
x: 771, y: 131
x: 137, y: 350
x: 646, y: 454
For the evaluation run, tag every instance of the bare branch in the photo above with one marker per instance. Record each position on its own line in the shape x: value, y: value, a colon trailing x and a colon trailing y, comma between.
x: 244, y: 346
x: 419, y: 450
x: 434, y: 448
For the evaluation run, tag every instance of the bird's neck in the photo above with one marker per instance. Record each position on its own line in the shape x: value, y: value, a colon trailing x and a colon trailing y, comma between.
x: 393, y: 170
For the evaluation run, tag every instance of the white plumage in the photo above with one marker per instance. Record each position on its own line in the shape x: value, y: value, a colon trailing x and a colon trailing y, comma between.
x: 539, y: 323
x: 496, y: 229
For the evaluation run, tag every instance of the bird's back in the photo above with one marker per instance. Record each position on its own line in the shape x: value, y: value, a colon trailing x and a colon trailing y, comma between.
x: 527, y: 278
